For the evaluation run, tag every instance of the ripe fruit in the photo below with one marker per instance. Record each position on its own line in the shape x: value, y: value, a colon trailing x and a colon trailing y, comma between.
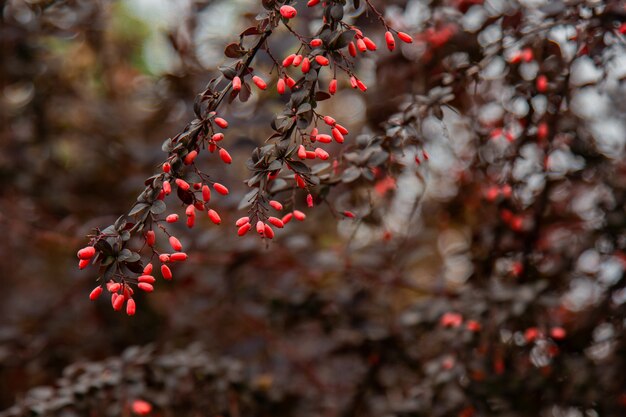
x: 332, y: 87
x: 391, y: 42
x: 404, y: 37
x: 172, y: 218
x: 370, y: 44
x: 236, y: 84
x: 182, y: 184
x: 215, y: 218
x: 178, y: 257
x: 82, y: 264
x: 225, y: 156
x: 145, y: 287
x: 175, y: 244
x: 95, y: 293
x: 276, y: 205
x: 276, y: 222
x: 322, y: 60
x: 242, y: 221
x: 315, y: 43
x: 131, y: 307
x: 321, y: 154
x: 217, y: 137
x: 221, y: 122
x: 220, y: 188
x: 280, y: 86
x: 287, y: 218
x: 86, y: 253
x: 244, y: 229
x: 206, y: 193
x: 150, y: 238
x: 360, y: 44
x: 337, y: 135
x: 166, y: 272
x: 288, y: 12
x: 259, y: 82
x: 289, y: 60
x: 117, y: 301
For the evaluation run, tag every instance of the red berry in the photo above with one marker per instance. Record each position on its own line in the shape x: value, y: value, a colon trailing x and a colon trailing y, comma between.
x: 268, y: 232
x: 309, y: 200
x: 312, y: 3
x: 220, y: 188
x: 141, y: 407
x: 217, y: 137
x: 370, y: 44
x: 206, y: 193
x: 83, y: 263
x: 287, y: 218
x: 117, y: 301
x: 146, y: 278
x: 360, y: 44
x: 150, y: 238
x: 290, y: 81
x: 147, y: 270
x: 341, y: 129
x: 306, y: 65
x: 288, y: 12
x: 242, y: 221
x: 332, y: 87
x: 404, y: 37
x: 361, y: 85
x: 323, y: 138
x: 280, y: 86
x: 172, y: 218
x: 321, y: 154
x: 349, y: 214
x: 130, y: 307
x: 167, y: 167
x: 182, y: 184
x: 276, y: 205
x: 244, y: 229
x: 260, y: 227
x: 86, y: 253
x: 175, y: 244
x: 178, y: 257
x: 337, y: 135
x: 167, y: 187
x: 225, y: 156
x: 391, y: 42
x: 299, y: 181
x: 190, y: 211
x: 237, y: 84
x: 258, y: 81
x: 166, y: 272
x: 190, y: 157
x: 145, y: 287
x: 299, y: 215
x: 164, y: 257
x: 276, y: 222
x: 289, y: 60
x: 301, y: 152
x: 297, y: 60
x: 558, y: 333
x: 315, y: 43
x: 352, y: 49
x: 322, y: 60
x: 329, y: 121
x: 95, y: 293
x: 215, y: 218
x: 221, y: 122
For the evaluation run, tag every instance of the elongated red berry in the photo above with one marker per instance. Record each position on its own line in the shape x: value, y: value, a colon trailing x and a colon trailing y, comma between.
x: 190, y: 211
x: 299, y: 181
x: 259, y: 82
x: 341, y: 129
x: 175, y: 244
x: 329, y: 121
x: 360, y: 44
x: 217, y: 137
x: 260, y: 227
x: 313, y: 134
x: 190, y: 157
x: 147, y: 270
x: 306, y: 65
x: 276, y: 205
x: 131, y: 307
x: 276, y: 222
x: 315, y: 43
x: 370, y: 44
x: 145, y: 287
x: 289, y: 60
x: 117, y: 301
x: 225, y: 156
x: 95, y: 293
x: 321, y: 154
x: 215, y: 218
x: 167, y: 167
x: 352, y: 49
x: 348, y: 214
x: 166, y: 272
x: 268, y: 232
x: 221, y: 122
x: 150, y: 238
x: 113, y: 286
x: 287, y: 218
x: 244, y: 229
x: 83, y: 263
x: 309, y: 200
x: 310, y: 155
x: 299, y: 215
x: 167, y: 187
x: 206, y: 193
x: 337, y: 135
x: 86, y: 253
x: 324, y: 138
x: 361, y: 85
x: 178, y: 257
x: 146, y: 278
x: 164, y: 257
x: 290, y: 81
x: 182, y: 184
x: 322, y: 60
x: 391, y: 42
x: 280, y: 86
x: 405, y: 37
x: 353, y: 82
x: 301, y: 152
x: 297, y: 60
x: 241, y: 221
x: 542, y: 83
x: 220, y: 188
x: 312, y: 3
x: 172, y: 218
x: 236, y: 84
x: 332, y: 87
x: 288, y: 12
